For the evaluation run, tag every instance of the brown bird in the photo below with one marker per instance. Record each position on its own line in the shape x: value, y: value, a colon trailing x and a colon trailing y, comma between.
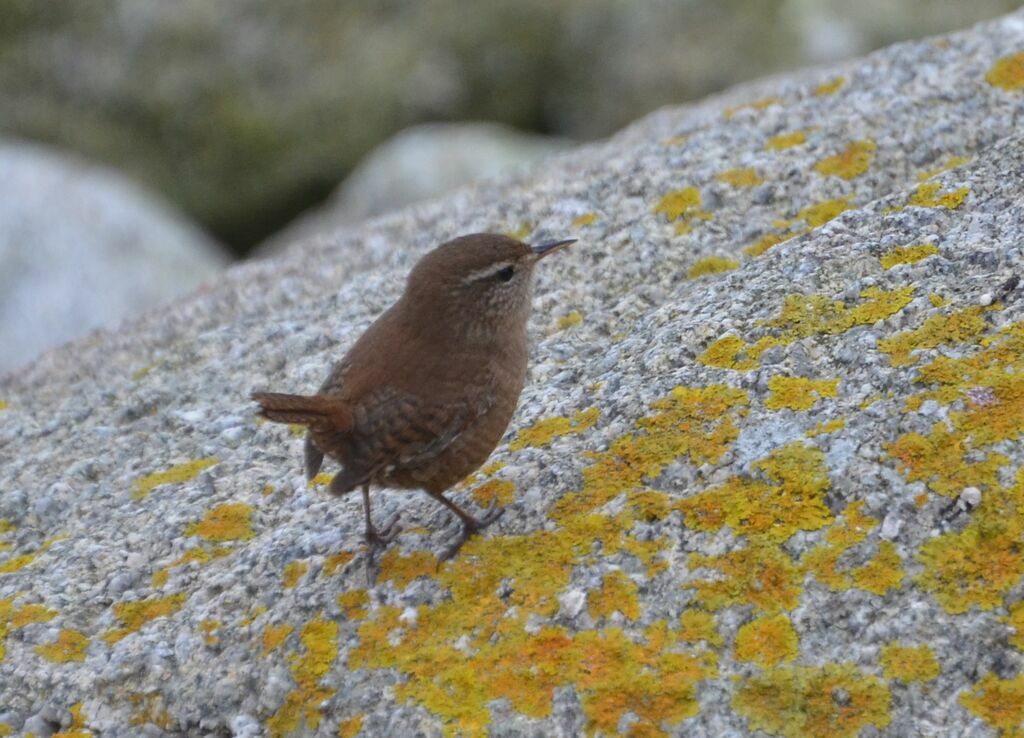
x: 425, y: 394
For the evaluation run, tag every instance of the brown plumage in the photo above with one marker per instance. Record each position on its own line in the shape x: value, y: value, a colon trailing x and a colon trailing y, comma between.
x: 426, y: 393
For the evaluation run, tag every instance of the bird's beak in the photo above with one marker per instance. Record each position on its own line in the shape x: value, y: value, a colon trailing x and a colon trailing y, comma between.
x: 544, y: 249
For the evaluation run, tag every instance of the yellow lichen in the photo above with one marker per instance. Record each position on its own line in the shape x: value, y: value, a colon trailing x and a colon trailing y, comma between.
x: 852, y: 162
x: 808, y: 315
x: 545, y: 431
x: 322, y: 479
x: 1007, y: 73
x: 618, y: 593
x: 350, y: 727
x: 957, y: 327
x: 999, y: 702
x: 69, y: 646
x: 835, y: 700
x: 336, y: 562
x: 569, y: 320
x: 134, y: 615
x: 230, y: 521
x: 319, y: 640
x: 760, y: 104
x: 682, y: 207
x: 826, y: 426
x: 909, y: 663
x: 764, y: 243
x: 584, y: 220
x: 275, y: 635
x: 785, y: 140
x: 830, y: 87
x: 698, y: 625
x: 26, y: 614
x: 927, y: 195
x: 908, y: 254
x: 798, y: 393
x: 789, y: 496
x: 175, y: 475
x: 711, y: 265
x: 821, y: 213
x: 293, y: 572
x: 353, y: 603
x: 941, y: 460
x: 740, y: 177
x: 77, y: 728
x: 767, y: 641
x: 402, y: 570
x: 3, y: 404
x: 1016, y: 621
x: 209, y: 630
x: 760, y: 575
x: 878, y: 575
x: 882, y: 573
x: 500, y: 490
x: 159, y: 578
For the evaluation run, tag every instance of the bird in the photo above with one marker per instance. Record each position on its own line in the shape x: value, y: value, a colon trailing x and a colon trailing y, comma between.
x: 425, y: 394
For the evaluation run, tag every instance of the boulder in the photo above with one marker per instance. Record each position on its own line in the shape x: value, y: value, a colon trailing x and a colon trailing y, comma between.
x: 765, y: 477
x: 81, y: 248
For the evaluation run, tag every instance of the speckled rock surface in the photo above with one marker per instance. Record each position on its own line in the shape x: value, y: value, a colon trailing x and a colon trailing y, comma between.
x: 764, y: 478
x: 81, y: 247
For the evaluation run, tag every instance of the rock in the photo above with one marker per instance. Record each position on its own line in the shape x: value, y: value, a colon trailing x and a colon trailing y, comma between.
x: 721, y: 535
x: 81, y: 248
x: 417, y: 164
x: 244, y: 118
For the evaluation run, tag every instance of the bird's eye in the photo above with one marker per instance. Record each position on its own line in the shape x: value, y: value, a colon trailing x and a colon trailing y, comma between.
x: 504, y: 275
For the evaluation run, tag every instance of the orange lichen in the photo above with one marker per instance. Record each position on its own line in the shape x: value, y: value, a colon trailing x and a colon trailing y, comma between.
x: 760, y: 575
x: 878, y: 575
x: 402, y: 570
x: 798, y: 393
x: 275, y: 635
x: 927, y: 195
x: 336, y: 562
x: 999, y: 702
x: 570, y: 319
x: 767, y: 641
x: 584, y: 220
x: 789, y: 497
x: 909, y: 663
x: 319, y: 639
x: 711, y: 265
x: 696, y: 626
x: 350, y: 727
x: 134, y: 615
x: 882, y: 573
x: 764, y: 243
x: 821, y: 213
x: 852, y: 162
x: 69, y: 646
x: 761, y: 104
x: 1007, y: 73
x: 230, y: 521
x: 740, y: 177
x: 830, y: 87
x: 618, y: 593
x: 786, y: 141
x: 175, y: 475
x: 956, y: 327
x: 545, y: 431
x: 835, y: 700
x: 907, y: 254
x: 940, y: 460
x: 293, y: 572
x: 501, y: 490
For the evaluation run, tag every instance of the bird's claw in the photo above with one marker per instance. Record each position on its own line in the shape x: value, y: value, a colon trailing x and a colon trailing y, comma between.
x: 492, y: 514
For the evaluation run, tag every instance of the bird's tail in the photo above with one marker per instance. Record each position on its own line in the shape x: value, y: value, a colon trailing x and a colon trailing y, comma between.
x: 308, y: 410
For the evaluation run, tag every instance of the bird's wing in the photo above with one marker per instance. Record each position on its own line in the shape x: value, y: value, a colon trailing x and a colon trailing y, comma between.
x: 397, y: 429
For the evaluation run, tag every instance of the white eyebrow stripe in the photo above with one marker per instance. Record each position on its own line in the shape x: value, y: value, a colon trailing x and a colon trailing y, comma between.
x: 486, y: 272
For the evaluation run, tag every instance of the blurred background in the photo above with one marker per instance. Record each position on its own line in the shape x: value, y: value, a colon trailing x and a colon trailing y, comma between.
x: 145, y: 144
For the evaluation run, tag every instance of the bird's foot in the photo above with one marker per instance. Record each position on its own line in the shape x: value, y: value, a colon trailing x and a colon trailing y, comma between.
x: 376, y: 541
x: 471, y: 526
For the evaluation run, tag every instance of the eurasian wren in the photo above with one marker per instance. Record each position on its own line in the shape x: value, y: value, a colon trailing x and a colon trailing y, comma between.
x: 425, y: 394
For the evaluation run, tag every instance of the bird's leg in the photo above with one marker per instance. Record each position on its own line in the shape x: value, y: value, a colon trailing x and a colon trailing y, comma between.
x: 470, y: 524
x: 378, y: 538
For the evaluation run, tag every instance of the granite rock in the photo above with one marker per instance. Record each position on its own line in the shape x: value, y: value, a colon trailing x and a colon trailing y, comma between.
x: 699, y: 541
